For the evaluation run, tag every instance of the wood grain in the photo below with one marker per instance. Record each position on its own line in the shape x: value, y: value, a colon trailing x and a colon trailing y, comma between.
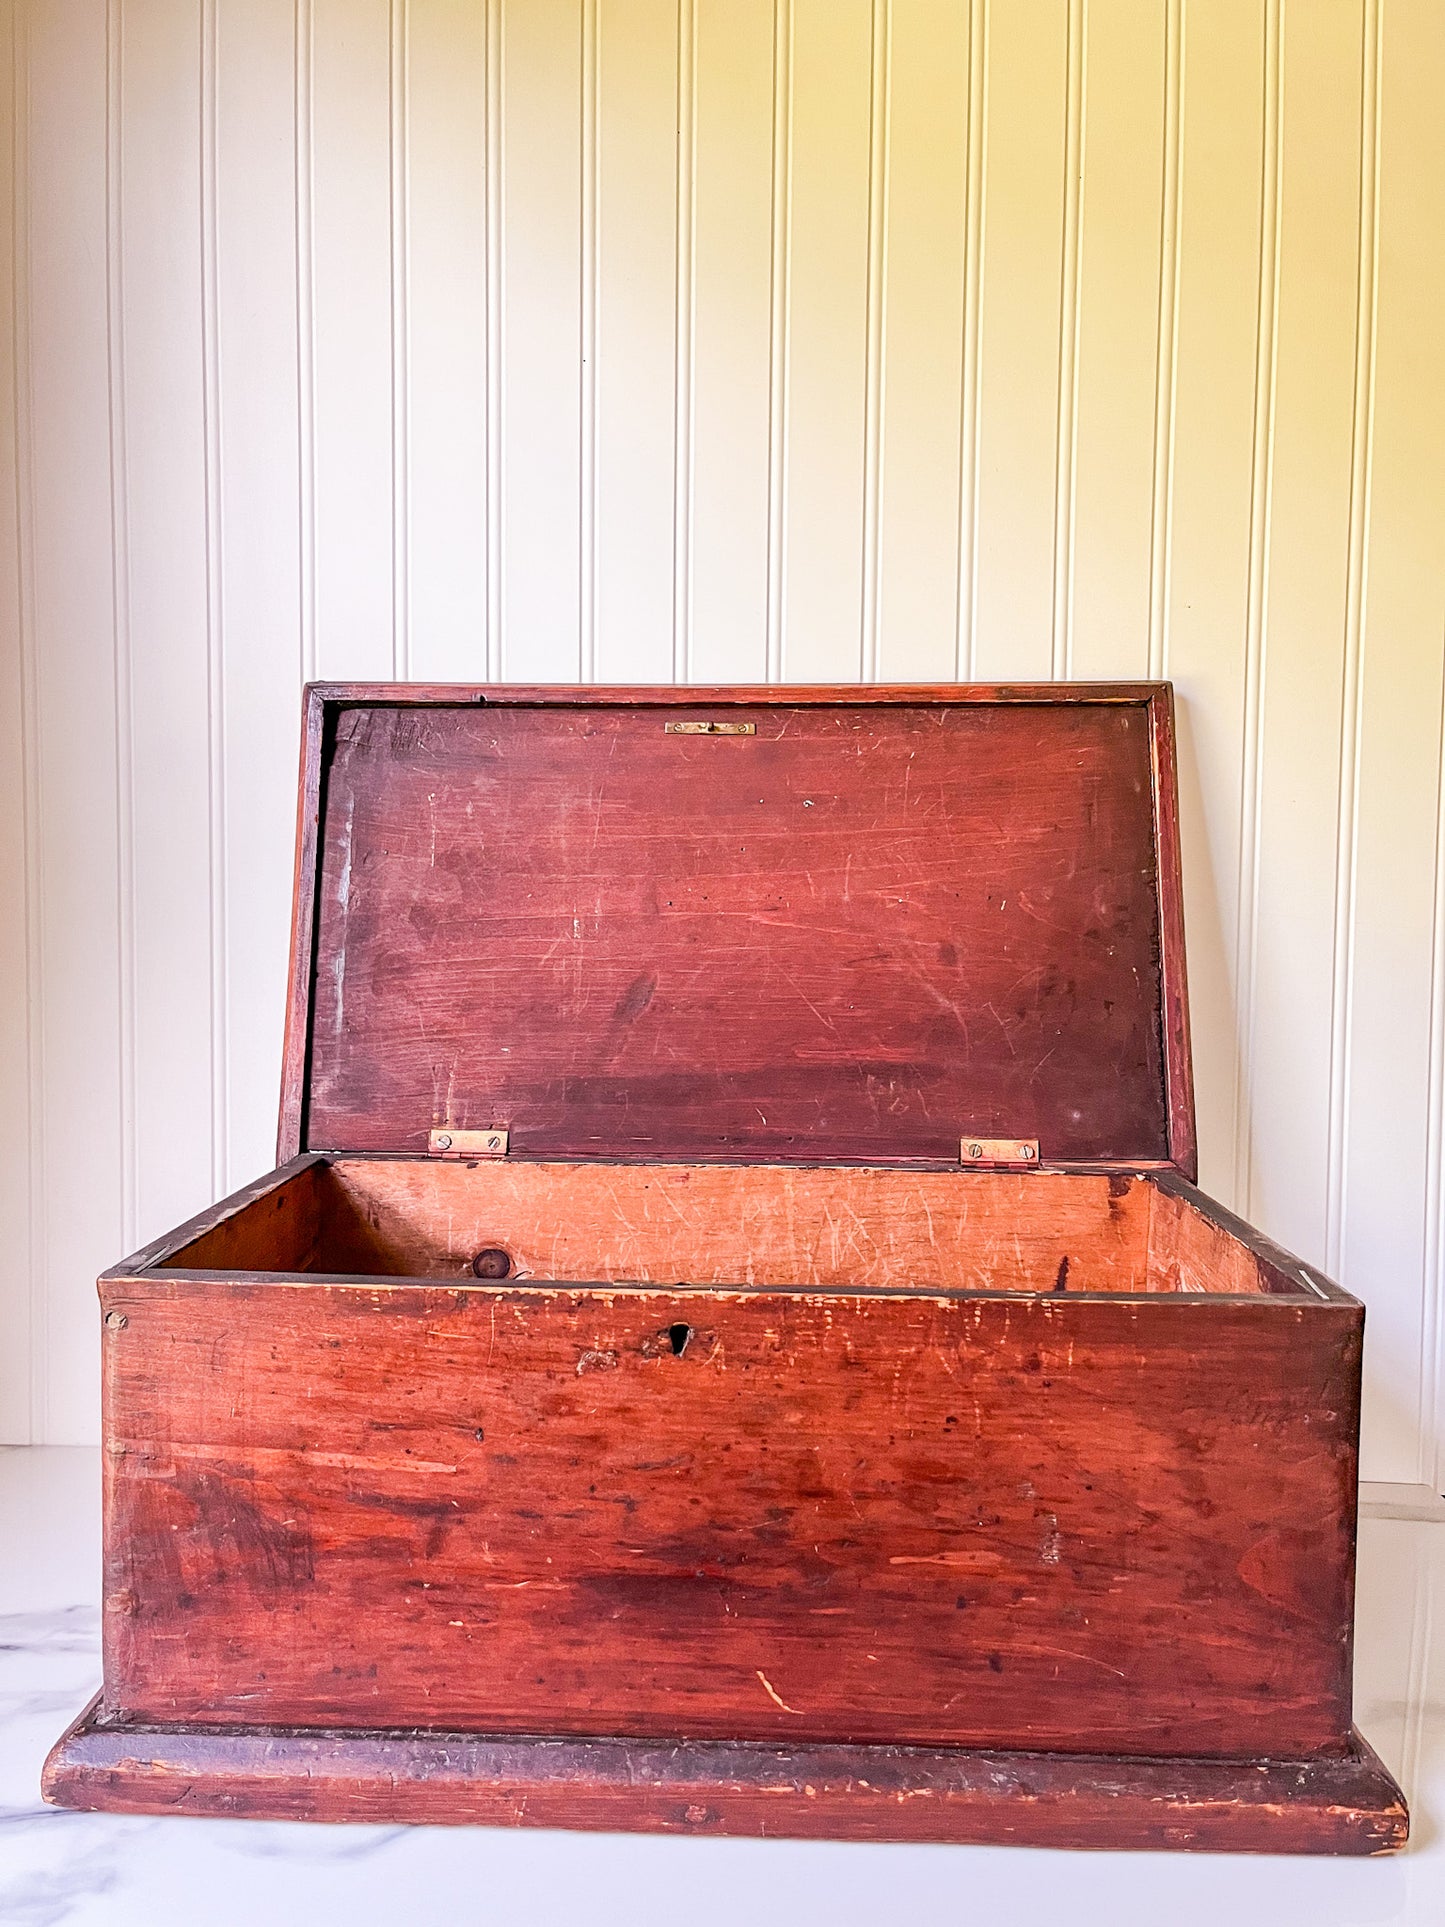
x: 1112, y: 1526
x: 1341, y: 1805
x: 828, y: 1227
x: 864, y: 931
x: 792, y: 1479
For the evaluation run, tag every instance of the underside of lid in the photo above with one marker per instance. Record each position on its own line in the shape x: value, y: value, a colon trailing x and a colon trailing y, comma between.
x: 798, y: 925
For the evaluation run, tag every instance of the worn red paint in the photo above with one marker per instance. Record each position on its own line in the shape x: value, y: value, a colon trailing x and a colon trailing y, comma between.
x: 790, y: 1478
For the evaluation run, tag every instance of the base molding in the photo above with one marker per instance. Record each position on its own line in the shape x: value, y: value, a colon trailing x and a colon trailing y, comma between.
x: 1343, y: 1805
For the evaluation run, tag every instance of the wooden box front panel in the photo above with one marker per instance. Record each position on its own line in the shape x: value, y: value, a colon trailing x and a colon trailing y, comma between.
x: 1115, y: 1527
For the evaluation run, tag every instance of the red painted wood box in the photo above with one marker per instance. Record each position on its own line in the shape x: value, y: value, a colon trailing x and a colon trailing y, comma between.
x: 733, y: 1343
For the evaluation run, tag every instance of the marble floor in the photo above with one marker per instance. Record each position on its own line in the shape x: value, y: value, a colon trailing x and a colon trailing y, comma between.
x: 82, y: 1870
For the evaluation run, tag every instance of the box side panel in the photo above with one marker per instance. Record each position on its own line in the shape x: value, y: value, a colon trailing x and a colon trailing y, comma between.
x: 1106, y: 1527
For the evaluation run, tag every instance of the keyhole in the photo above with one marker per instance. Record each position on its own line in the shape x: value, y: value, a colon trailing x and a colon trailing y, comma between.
x: 677, y: 1337
x: 491, y: 1262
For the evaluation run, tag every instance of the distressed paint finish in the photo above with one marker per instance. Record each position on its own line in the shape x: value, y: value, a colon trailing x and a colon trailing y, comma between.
x: 832, y: 1227
x: 862, y: 931
x: 967, y: 1520
x: 850, y: 1493
x: 1348, y: 1805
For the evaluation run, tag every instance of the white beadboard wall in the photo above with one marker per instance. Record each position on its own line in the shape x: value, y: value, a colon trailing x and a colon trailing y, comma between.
x: 718, y: 339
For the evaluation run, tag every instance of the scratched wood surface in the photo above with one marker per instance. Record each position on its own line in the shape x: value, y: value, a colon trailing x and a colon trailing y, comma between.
x: 1119, y: 1527
x: 830, y: 1227
x: 1341, y: 1804
x: 863, y: 931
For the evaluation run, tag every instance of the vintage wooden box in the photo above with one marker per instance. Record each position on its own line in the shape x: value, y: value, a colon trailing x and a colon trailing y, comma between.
x: 733, y: 1343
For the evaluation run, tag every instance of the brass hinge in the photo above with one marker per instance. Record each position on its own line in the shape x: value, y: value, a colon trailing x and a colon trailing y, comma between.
x: 468, y: 1144
x: 687, y: 728
x: 999, y: 1150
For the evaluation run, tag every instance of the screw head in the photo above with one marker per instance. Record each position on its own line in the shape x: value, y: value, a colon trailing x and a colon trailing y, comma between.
x: 975, y: 1150
x: 443, y: 1140
x: 1027, y: 1153
x: 494, y: 1143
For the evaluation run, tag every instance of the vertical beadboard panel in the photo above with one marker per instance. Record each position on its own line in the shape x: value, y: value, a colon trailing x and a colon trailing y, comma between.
x: 920, y: 320
x: 1305, y: 603
x: 1019, y: 338
x: 1119, y: 288
x: 74, y: 759
x: 681, y: 338
x: 636, y: 397
x: 833, y: 50
x: 259, y: 269
x: 1227, y: 123
x: 731, y: 322
x: 1386, y: 1245
x: 446, y: 282
x: 542, y: 380
x: 18, y: 1336
x: 167, y: 646
x: 355, y: 397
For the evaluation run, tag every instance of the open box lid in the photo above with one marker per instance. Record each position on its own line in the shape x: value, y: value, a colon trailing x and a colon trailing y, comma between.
x: 781, y: 924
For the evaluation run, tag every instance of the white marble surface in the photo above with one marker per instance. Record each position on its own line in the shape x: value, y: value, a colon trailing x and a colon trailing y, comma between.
x: 82, y: 1870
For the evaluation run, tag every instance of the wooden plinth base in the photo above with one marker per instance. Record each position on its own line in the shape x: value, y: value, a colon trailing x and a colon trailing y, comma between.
x: 1346, y: 1805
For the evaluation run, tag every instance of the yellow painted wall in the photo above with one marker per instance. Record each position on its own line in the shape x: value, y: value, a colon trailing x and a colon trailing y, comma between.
x: 718, y: 339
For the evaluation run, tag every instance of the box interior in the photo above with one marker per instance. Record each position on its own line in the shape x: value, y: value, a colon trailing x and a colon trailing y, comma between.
x: 826, y: 1228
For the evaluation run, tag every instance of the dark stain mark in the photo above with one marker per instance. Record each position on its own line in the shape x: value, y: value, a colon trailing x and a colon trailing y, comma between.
x: 995, y: 1662
x: 1061, y: 1283
x: 435, y: 1512
x: 278, y: 1556
x: 635, y: 999
x: 1119, y: 1184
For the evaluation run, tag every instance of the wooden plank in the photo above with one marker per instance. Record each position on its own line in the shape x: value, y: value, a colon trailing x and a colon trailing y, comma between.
x: 1344, y: 1805
x: 1391, y: 1116
x: 892, y: 1518
x: 1174, y: 976
x: 921, y: 155
x: 169, y: 638
x: 541, y: 324
x: 1279, y: 1272
x: 858, y: 904
x: 204, y: 1221
x: 352, y: 267
x: 68, y: 535
x: 303, y: 928
x: 711, y: 1224
x: 819, y: 564
x: 445, y: 265
x: 570, y: 695
x: 1118, y: 313
x: 1023, y: 217
x: 1286, y: 997
x: 731, y: 344
x: 1223, y: 278
x: 258, y: 585
x: 629, y: 573
x: 19, y: 1009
